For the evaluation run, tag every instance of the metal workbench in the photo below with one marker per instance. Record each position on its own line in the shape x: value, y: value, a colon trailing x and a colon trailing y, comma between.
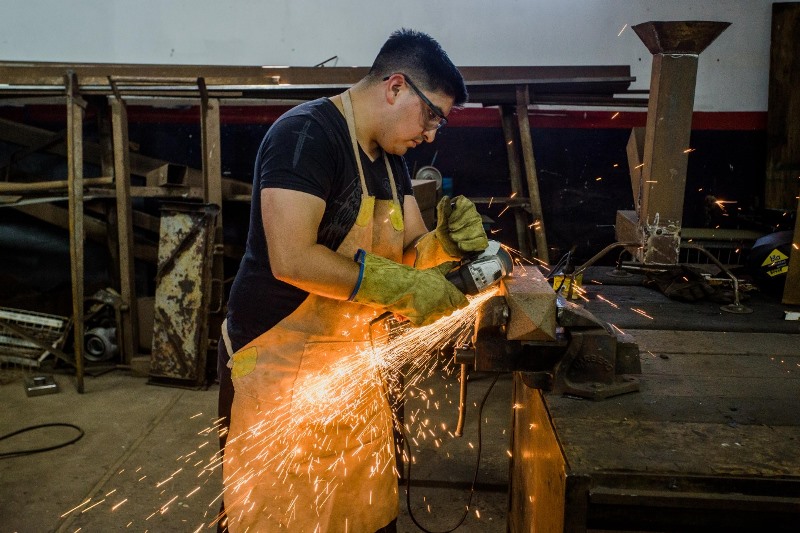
x: 709, y: 443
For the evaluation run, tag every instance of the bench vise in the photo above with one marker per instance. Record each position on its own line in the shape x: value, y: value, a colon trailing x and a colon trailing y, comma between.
x: 554, y: 344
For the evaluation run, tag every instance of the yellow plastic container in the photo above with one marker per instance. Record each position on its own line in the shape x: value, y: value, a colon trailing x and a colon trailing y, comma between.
x: 561, y: 283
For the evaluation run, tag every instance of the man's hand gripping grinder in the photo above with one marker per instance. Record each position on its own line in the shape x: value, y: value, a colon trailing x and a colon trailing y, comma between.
x: 475, y: 274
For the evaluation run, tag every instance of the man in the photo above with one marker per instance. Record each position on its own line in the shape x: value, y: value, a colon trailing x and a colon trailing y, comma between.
x: 333, y: 219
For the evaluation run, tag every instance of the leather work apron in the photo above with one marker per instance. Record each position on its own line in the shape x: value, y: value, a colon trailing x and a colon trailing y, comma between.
x: 310, y: 447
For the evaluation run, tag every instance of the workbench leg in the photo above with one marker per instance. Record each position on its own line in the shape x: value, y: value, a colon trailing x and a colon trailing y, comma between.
x: 75, y: 111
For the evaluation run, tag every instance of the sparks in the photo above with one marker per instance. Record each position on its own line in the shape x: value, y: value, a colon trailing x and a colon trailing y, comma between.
x: 114, y: 508
x: 397, y: 360
x: 612, y: 304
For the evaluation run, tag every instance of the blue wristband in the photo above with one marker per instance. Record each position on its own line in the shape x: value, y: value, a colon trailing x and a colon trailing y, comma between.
x: 359, y: 258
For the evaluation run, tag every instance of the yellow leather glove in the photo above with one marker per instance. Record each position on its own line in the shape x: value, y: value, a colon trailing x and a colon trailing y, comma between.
x: 459, y: 230
x: 422, y: 296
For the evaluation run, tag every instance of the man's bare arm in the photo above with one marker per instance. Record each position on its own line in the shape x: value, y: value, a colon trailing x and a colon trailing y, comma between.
x: 291, y: 220
x: 414, y: 228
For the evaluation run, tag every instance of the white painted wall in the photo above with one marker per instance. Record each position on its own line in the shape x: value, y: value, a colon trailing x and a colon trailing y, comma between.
x: 732, y: 76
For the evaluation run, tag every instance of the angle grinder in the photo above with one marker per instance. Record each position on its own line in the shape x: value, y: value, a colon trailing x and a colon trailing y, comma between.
x: 479, y: 272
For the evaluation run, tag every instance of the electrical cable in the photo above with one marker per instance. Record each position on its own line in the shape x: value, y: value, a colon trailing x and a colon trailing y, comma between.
x: 474, y: 477
x: 560, y: 267
x: 18, y: 453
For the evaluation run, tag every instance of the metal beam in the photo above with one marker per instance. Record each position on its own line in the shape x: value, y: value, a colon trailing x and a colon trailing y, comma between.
x: 515, y: 174
x: 127, y: 280
x: 591, y: 84
x: 75, y: 108
x: 212, y: 187
x: 526, y: 145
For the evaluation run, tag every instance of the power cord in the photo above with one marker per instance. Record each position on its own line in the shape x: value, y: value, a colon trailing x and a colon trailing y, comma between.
x: 474, y: 477
x: 19, y: 453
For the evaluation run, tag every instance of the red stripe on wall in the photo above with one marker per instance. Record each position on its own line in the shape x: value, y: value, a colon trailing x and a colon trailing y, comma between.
x: 470, y: 117
x: 539, y: 118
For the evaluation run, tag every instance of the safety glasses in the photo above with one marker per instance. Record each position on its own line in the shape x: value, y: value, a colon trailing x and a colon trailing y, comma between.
x: 434, y: 118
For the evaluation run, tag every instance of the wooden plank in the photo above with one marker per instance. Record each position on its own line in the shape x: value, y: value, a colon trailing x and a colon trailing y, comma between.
x: 791, y: 289
x: 783, y: 113
x: 716, y: 342
x: 706, y: 414
x: 692, y: 449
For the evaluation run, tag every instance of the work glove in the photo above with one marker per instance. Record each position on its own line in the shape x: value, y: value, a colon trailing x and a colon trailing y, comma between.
x: 459, y: 231
x: 422, y: 296
x: 682, y: 283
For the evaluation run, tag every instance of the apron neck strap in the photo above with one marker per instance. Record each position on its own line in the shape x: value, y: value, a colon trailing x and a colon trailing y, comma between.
x: 349, y: 117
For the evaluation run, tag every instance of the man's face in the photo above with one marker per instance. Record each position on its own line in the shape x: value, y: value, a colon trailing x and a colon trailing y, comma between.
x: 417, y: 116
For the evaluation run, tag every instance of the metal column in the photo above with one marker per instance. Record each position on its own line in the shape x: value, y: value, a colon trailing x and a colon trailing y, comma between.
x: 128, y: 326
x: 526, y: 143
x: 515, y: 174
x: 659, y: 196
x: 212, y: 191
x: 75, y: 109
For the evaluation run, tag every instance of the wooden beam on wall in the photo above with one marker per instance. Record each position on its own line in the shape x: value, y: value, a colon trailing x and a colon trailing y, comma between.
x: 783, y: 115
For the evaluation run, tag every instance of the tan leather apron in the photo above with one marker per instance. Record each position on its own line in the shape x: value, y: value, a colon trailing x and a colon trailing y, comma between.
x: 310, y: 446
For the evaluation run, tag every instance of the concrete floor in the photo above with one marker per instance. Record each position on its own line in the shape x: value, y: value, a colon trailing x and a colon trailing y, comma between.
x: 138, y: 465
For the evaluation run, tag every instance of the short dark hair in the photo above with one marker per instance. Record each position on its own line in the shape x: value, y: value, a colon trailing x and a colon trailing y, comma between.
x: 423, y: 59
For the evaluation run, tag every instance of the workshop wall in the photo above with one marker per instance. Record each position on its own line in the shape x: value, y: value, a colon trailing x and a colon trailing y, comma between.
x: 581, y: 160
x: 732, y: 74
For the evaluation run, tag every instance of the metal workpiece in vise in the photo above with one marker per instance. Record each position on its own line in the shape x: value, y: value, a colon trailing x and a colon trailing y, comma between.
x: 554, y: 344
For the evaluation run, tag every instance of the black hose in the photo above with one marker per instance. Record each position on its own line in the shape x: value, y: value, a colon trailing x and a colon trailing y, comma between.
x: 18, y: 453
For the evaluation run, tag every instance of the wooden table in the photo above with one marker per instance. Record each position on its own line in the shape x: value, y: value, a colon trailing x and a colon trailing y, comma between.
x: 710, y: 443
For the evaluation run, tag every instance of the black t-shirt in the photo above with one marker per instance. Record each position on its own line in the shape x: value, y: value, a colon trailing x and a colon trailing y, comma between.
x: 307, y: 149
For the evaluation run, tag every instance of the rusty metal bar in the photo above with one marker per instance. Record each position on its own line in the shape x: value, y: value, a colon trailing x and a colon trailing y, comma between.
x: 526, y: 145
x: 591, y: 85
x: 212, y: 187
x: 127, y: 281
x: 180, y: 330
x: 38, y: 342
x: 515, y: 174
x: 22, y: 187
x: 75, y: 109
